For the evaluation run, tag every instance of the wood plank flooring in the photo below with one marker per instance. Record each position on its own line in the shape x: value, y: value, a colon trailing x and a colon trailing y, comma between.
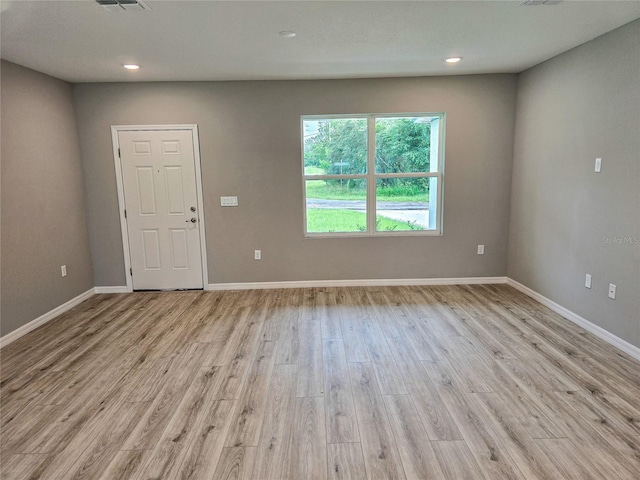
x: 442, y: 382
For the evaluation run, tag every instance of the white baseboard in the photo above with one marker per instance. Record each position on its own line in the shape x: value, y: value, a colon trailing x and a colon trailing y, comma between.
x: 600, y: 332
x: 42, y: 319
x: 377, y: 282
x: 111, y: 289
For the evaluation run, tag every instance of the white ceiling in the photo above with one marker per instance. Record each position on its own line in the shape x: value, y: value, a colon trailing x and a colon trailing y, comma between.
x: 79, y: 41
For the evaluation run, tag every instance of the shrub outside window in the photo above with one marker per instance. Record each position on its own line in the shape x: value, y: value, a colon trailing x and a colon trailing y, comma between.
x: 370, y: 175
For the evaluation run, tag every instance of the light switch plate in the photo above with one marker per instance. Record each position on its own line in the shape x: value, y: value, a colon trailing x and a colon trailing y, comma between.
x: 587, y: 281
x: 598, y: 164
x: 480, y: 249
x: 612, y: 291
x: 229, y: 201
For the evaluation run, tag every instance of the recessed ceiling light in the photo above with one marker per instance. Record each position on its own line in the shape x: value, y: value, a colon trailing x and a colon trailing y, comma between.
x: 131, y: 66
x: 287, y: 34
x: 453, y: 59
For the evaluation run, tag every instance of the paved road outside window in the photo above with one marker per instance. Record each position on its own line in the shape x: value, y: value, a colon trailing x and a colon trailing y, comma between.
x: 417, y: 212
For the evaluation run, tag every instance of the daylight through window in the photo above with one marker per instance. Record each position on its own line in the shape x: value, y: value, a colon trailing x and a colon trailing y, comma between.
x: 373, y: 174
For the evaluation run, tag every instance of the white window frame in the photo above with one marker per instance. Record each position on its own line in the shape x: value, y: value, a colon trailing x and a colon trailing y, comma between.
x: 371, y: 176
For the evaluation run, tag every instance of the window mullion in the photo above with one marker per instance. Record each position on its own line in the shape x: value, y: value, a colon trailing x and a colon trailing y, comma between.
x: 408, y: 175
x: 371, y: 177
x: 334, y: 177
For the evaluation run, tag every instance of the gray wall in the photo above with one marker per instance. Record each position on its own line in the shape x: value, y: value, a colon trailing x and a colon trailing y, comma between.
x: 571, y: 109
x: 250, y: 146
x: 43, y: 220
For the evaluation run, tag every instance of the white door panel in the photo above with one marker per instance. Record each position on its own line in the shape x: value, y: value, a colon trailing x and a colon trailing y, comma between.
x: 151, y: 249
x: 160, y: 193
x: 146, y: 191
x: 179, y: 248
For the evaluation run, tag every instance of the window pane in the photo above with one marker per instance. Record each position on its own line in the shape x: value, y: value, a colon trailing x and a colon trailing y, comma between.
x: 335, y: 146
x: 403, y: 144
x: 433, y: 203
x: 336, y: 205
x: 402, y: 204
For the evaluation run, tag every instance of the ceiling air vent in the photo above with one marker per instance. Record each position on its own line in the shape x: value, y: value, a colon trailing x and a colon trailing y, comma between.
x: 122, y: 5
x: 539, y: 2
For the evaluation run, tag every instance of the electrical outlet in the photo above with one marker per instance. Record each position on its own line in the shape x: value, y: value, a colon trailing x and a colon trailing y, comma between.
x: 480, y: 249
x: 598, y: 164
x: 63, y: 270
x: 257, y: 255
x: 612, y: 291
x: 587, y: 281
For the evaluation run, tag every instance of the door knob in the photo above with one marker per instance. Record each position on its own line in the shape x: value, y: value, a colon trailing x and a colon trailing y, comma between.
x: 193, y: 220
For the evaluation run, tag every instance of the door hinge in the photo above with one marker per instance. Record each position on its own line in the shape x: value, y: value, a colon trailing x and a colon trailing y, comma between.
x: 125, y: 213
x: 131, y: 272
x: 119, y: 153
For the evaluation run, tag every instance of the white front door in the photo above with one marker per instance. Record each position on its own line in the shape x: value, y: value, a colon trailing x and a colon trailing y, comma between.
x: 163, y: 222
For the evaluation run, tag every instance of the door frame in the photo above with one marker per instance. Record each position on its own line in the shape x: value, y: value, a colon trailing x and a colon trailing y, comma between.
x: 115, y: 130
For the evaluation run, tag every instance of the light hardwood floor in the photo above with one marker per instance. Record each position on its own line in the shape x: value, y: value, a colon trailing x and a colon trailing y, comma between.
x: 455, y: 382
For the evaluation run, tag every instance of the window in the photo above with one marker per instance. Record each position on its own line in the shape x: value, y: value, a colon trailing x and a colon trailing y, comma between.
x: 373, y: 174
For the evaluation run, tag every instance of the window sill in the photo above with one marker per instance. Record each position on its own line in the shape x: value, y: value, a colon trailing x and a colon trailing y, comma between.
x: 428, y: 233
